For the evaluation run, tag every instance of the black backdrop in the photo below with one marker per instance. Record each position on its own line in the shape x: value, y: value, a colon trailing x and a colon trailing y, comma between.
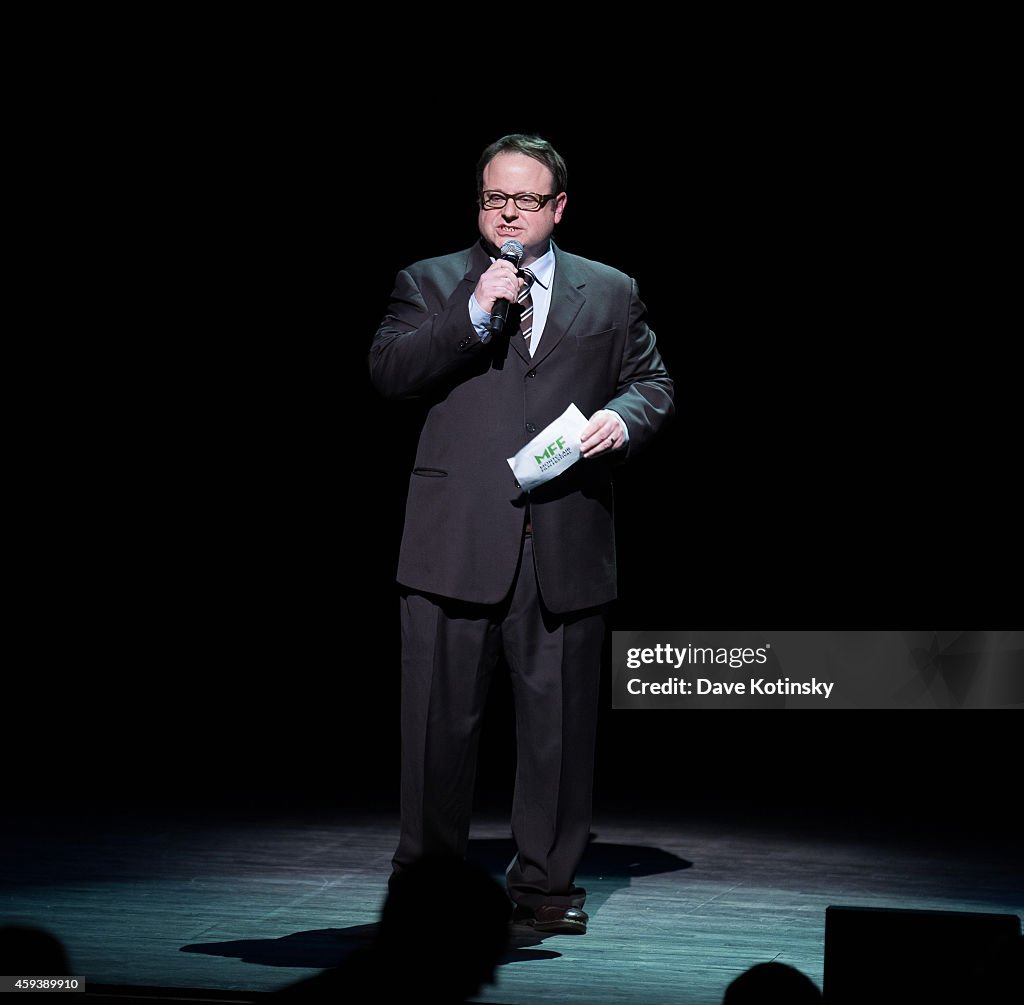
x: 228, y: 623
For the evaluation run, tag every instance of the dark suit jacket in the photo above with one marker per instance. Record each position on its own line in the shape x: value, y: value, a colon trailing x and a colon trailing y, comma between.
x: 465, y: 511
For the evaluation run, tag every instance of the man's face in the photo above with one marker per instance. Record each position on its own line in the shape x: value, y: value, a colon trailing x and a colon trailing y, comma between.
x: 513, y: 173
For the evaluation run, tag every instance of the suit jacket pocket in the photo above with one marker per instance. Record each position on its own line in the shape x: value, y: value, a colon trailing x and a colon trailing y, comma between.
x: 430, y: 472
x: 597, y: 340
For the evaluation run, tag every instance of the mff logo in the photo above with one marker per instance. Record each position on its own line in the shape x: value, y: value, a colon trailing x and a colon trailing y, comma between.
x: 550, y: 450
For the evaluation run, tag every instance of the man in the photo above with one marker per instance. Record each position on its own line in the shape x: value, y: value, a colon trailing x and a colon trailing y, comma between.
x: 486, y: 567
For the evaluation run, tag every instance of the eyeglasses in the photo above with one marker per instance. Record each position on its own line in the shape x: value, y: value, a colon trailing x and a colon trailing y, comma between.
x: 529, y: 202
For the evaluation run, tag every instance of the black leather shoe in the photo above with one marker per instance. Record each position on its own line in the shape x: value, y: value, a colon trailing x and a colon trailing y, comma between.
x: 551, y: 918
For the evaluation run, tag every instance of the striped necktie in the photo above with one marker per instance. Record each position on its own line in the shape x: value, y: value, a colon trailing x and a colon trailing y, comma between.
x: 525, y: 300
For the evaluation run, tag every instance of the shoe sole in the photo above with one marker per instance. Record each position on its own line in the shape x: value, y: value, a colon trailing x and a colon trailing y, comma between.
x: 560, y: 927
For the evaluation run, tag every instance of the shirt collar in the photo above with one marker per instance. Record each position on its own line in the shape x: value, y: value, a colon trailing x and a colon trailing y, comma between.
x: 544, y: 268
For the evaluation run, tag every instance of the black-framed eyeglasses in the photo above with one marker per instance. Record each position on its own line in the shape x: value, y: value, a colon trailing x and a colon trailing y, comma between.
x: 529, y: 202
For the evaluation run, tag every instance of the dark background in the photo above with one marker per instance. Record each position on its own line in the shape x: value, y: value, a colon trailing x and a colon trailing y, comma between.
x: 215, y: 610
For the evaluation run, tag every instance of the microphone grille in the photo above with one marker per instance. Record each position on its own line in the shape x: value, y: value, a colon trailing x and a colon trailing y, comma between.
x: 512, y: 249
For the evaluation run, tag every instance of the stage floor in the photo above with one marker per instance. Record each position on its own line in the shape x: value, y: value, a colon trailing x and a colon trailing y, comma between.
x: 680, y: 903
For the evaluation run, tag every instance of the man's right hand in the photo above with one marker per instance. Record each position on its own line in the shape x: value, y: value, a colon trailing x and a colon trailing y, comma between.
x: 499, y: 282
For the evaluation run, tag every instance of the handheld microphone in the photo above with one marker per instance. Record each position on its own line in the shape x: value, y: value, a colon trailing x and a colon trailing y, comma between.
x: 511, y: 251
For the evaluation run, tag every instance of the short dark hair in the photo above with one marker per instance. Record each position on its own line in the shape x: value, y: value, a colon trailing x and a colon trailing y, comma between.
x: 533, y: 146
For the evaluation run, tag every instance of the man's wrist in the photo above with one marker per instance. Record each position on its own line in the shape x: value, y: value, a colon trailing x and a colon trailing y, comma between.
x: 480, y: 319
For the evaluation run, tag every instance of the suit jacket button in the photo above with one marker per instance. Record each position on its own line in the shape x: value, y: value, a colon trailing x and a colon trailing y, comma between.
x: 531, y: 428
x: 532, y: 373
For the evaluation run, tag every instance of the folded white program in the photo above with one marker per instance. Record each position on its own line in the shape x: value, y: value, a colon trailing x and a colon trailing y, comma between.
x: 553, y: 450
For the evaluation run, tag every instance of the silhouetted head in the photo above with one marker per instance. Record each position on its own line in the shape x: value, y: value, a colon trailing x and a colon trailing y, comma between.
x: 33, y: 951
x: 1001, y: 972
x: 447, y: 922
x: 771, y: 984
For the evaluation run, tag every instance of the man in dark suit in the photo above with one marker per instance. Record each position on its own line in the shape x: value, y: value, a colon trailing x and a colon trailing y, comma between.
x: 486, y: 567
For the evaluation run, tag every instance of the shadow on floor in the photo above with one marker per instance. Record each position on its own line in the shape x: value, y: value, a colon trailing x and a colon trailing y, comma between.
x: 605, y: 869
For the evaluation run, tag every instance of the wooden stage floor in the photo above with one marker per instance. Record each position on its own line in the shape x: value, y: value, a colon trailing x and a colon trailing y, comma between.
x: 680, y: 903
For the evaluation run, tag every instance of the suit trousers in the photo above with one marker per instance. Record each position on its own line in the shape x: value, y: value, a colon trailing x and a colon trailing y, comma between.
x: 450, y: 650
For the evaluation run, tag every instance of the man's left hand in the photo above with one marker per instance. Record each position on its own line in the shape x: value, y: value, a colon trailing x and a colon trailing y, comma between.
x: 602, y: 433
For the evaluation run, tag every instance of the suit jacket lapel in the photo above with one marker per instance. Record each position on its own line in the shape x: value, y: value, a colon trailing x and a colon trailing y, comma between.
x: 566, y: 300
x: 477, y: 262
